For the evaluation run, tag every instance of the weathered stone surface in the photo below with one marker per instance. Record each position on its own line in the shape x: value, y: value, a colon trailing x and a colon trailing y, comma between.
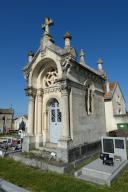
x: 76, y: 91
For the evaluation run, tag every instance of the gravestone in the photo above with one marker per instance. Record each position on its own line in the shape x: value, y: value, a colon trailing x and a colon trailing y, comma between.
x: 97, y: 172
x: 114, y: 146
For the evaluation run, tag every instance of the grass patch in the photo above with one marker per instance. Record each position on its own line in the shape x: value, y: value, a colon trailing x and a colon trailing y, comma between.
x: 39, y: 181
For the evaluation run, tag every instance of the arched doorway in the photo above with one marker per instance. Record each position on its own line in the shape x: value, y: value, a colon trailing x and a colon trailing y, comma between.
x: 54, y: 121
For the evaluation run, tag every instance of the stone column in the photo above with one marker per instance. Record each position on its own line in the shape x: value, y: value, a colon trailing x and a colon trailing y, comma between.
x: 31, y: 106
x: 65, y: 139
x: 29, y: 140
x: 31, y: 92
x: 39, y: 117
x: 36, y: 115
x: 65, y: 135
x: 45, y: 125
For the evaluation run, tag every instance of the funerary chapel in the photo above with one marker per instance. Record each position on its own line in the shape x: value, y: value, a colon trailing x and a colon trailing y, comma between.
x: 66, y: 98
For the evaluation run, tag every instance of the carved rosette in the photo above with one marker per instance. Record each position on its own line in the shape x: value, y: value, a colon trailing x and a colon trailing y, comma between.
x: 50, y: 78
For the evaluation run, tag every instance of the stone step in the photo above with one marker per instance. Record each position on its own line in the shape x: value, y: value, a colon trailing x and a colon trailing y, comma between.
x: 50, y: 147
x: 92, y: 179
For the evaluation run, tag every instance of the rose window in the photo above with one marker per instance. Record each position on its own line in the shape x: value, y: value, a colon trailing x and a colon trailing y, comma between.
x: 50, y: 78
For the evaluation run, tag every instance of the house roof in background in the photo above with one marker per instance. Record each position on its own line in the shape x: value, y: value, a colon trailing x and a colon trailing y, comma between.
x: 112, y: 87
x: 25, y: 116
x: 6, y: 111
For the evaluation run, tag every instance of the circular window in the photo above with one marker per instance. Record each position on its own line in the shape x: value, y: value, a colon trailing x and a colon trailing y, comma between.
x: 50, y: 78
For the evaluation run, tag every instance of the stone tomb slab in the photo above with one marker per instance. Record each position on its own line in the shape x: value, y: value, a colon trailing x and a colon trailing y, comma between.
x: 98, y: 173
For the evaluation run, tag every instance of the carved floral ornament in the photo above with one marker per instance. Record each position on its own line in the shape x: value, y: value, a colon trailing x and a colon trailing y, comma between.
x: 30, y: 91
x: 50, y: 77
x: 26, y: 74
x: 66, y: 64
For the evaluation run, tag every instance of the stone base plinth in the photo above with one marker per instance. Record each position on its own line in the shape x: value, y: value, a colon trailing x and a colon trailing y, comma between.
x: 62, y: 149
x: 28, y: 143
x: 64, y: 143
x: 62, y: 155
x: 39, y: 141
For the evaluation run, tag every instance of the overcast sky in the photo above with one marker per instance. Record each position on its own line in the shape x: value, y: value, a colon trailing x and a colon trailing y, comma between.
x: 100, y: 27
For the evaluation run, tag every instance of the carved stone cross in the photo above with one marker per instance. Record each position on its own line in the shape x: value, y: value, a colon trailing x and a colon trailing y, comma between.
x: 45, y: 26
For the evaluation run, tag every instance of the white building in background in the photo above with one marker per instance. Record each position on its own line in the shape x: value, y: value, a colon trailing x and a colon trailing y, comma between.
x: 6, y: 119
x: 115, y: 107
x: 20, y: 122
x: 66, y: 99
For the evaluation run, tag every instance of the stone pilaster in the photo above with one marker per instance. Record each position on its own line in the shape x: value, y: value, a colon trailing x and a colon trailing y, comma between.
x: 31, y: 115
x: 31, y: 107
x: 65, y: 133
x: 45, y: 127
x: 39, y: 104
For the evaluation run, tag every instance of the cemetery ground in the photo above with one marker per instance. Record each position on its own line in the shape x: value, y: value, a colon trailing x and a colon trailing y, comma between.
x: 37, y: 180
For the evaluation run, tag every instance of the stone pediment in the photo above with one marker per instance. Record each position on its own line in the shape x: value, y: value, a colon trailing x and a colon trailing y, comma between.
x: 65, y: 63
x: 52, y: 52
x: 64, y: 60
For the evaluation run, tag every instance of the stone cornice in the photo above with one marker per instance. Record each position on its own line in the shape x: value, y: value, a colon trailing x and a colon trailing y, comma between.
x: 66, y: 84
x: 52, y: 89
x: 86, y: 69
x: 98, y: 91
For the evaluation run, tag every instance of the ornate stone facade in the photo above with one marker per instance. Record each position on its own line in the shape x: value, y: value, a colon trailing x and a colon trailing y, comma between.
x: 66, y: 100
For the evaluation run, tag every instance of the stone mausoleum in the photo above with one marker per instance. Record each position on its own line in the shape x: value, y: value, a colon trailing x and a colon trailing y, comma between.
x: 66, y: 99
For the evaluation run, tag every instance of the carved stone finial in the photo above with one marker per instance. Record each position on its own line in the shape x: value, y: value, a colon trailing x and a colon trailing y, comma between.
x: 30, y: 56
x: 67, y: 35
x: 67, y: 39
x: 100, y: 64
x: 48, y: 22
x: 82, y: 61
x: 31, y: 53
x: 100, y: 61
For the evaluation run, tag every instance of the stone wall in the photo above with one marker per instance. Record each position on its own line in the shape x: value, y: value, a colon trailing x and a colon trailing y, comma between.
x: 118, y: 102
x: 121, y: 118
x: 110, y: 123
x: 83, y: 150
x: 87, y: 128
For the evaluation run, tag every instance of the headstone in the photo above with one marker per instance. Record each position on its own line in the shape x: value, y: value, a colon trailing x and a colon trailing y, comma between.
x: 115, y: 146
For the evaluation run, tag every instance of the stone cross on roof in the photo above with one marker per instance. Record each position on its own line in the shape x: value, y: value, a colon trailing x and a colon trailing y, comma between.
x: 45, y: 26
